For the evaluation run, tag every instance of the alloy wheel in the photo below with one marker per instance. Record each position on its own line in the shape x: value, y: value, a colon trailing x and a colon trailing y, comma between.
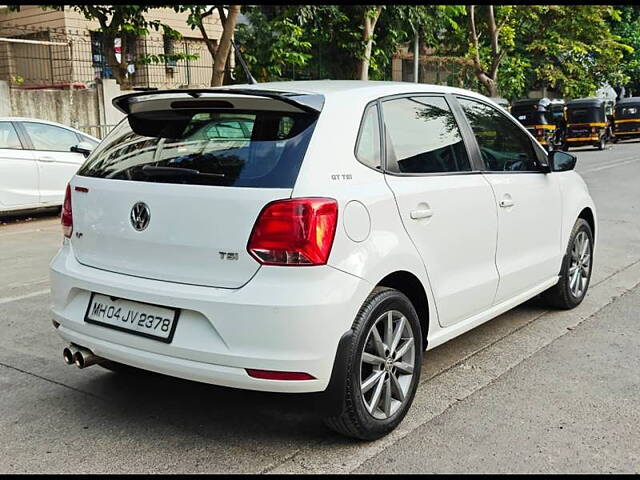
x: 580, y: 266
x: 387, y: 365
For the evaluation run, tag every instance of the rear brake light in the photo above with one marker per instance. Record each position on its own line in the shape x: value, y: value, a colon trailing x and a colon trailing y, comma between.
x: 276, y: 375
x: 296, y: 231
x: 66, y: 217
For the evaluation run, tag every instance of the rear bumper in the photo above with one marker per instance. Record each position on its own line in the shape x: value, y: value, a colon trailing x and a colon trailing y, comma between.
x: 284, y: 319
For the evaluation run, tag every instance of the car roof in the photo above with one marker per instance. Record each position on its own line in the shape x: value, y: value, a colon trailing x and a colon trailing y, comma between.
x: 531, y: 101
x: 372, y: 87
x: 591, y: 101
x: 48, y: 122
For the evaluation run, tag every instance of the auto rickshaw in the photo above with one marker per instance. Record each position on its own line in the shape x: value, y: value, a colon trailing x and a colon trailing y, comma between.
x: 588, y: 122
x: 626, y: 119
x: 536, y: 117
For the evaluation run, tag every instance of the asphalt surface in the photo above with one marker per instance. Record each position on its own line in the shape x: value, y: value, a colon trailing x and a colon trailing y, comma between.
x: 530, y: 391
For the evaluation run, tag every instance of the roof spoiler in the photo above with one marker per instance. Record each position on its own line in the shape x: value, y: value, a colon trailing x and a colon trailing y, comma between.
x: 311, y: 103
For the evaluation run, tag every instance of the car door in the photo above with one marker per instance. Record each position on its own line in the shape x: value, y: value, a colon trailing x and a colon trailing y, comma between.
x: 56, y: 162
x: 529, y: 202
x: 18, y: 171
x: 447, y: 206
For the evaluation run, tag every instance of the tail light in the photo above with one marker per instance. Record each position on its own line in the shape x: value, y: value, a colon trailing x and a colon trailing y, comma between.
x: 296, y: 231
x: 594, y: 130
x: 66, y: 217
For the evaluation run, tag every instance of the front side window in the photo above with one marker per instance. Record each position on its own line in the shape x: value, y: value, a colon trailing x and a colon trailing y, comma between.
x: 368, y: 151
x: 221, y: 148
x: 503, y: 145
x: 423, y: 136
x: 50, y: 137
x: 9, y: 137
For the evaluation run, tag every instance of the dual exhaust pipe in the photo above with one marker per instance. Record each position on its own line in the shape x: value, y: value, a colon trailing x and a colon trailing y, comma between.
x: 79, y: 356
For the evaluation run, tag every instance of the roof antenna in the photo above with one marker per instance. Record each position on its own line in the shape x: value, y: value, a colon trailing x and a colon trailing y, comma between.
x: 247, y: 73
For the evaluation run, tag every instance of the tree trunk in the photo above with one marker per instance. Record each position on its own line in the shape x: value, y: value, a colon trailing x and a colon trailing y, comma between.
x: 369, y: 24
x: 224, y: 46
x: 487, y: 79
x: 119, y: 69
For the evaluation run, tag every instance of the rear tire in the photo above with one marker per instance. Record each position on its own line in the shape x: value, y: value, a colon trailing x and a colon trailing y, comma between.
x: 575, y: 273
x: 378, y: 369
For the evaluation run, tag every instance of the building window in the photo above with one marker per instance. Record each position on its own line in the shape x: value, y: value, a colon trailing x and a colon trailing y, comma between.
x: 169, y: 50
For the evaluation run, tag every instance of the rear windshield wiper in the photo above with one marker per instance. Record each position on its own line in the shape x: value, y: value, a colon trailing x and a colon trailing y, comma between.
x: 153, y: 171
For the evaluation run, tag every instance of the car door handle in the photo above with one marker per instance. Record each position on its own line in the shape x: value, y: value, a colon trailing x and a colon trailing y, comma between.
x: 421, y: 213
x: 507, y: 201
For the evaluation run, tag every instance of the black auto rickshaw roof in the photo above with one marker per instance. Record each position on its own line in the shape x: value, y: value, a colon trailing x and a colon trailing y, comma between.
x: 629, y: 101
x: 588, y: 102
x: 525, y: 102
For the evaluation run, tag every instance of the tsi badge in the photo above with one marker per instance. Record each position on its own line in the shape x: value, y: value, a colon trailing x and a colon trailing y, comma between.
x: 140, y: 216
x: 228, y: 255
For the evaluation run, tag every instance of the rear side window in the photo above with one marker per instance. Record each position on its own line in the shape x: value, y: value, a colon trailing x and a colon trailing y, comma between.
x: 222, y: 148
x: 49, y: 137
x: 423, y: 136
x: 9, y: 137
x: 368, y: 149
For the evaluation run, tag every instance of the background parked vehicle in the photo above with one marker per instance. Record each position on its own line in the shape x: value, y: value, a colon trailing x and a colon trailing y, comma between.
x: 37, y: 160
x: 535, y: 115
x: 588, y: 122
x: 626, y: 123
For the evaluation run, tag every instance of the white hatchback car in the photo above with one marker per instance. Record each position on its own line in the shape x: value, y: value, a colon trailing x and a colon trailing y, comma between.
x: 312, y: 237
x: 37, y: 160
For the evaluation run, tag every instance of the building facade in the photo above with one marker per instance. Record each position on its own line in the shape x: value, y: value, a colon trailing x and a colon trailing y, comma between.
x: 52, y: 48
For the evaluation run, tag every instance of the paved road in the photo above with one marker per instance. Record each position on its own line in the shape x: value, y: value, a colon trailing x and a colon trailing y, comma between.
x: 532, y: 390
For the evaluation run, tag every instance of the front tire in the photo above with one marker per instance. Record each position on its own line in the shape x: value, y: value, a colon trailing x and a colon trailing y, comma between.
x: 575, y: 273
x: 383, y: 366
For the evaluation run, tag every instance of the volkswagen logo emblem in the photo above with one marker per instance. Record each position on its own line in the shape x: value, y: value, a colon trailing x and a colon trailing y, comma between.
x: 140, y: 216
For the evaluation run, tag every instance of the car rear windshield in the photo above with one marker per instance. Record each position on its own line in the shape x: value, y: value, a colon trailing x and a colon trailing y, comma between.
x: 205, y: 147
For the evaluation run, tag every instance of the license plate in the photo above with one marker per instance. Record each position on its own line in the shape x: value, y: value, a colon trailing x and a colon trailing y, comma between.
x: 151, y: 321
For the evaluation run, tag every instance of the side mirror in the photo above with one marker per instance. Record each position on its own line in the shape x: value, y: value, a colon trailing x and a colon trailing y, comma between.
x: 84, y: 148
x: 560, y: 161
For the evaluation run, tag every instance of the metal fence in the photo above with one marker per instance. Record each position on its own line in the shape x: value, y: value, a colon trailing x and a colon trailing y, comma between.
x: 81, y: 57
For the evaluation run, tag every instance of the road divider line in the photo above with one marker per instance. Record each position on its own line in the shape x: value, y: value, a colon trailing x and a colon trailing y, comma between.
x: 23, y: 297
x: 610, y: 165
x: 33, y: 230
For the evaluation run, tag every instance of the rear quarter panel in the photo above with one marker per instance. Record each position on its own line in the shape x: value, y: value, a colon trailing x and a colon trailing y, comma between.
x: 330, y: 169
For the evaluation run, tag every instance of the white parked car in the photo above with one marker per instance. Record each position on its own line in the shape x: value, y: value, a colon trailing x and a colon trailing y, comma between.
x: 312, y: 237
x: 37, y: 160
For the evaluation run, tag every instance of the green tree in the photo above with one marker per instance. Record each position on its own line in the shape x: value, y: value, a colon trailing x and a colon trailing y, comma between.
x: 572, y: 48
x: 628, y: 29
x: 274, y: 44
x: 219, y: 49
